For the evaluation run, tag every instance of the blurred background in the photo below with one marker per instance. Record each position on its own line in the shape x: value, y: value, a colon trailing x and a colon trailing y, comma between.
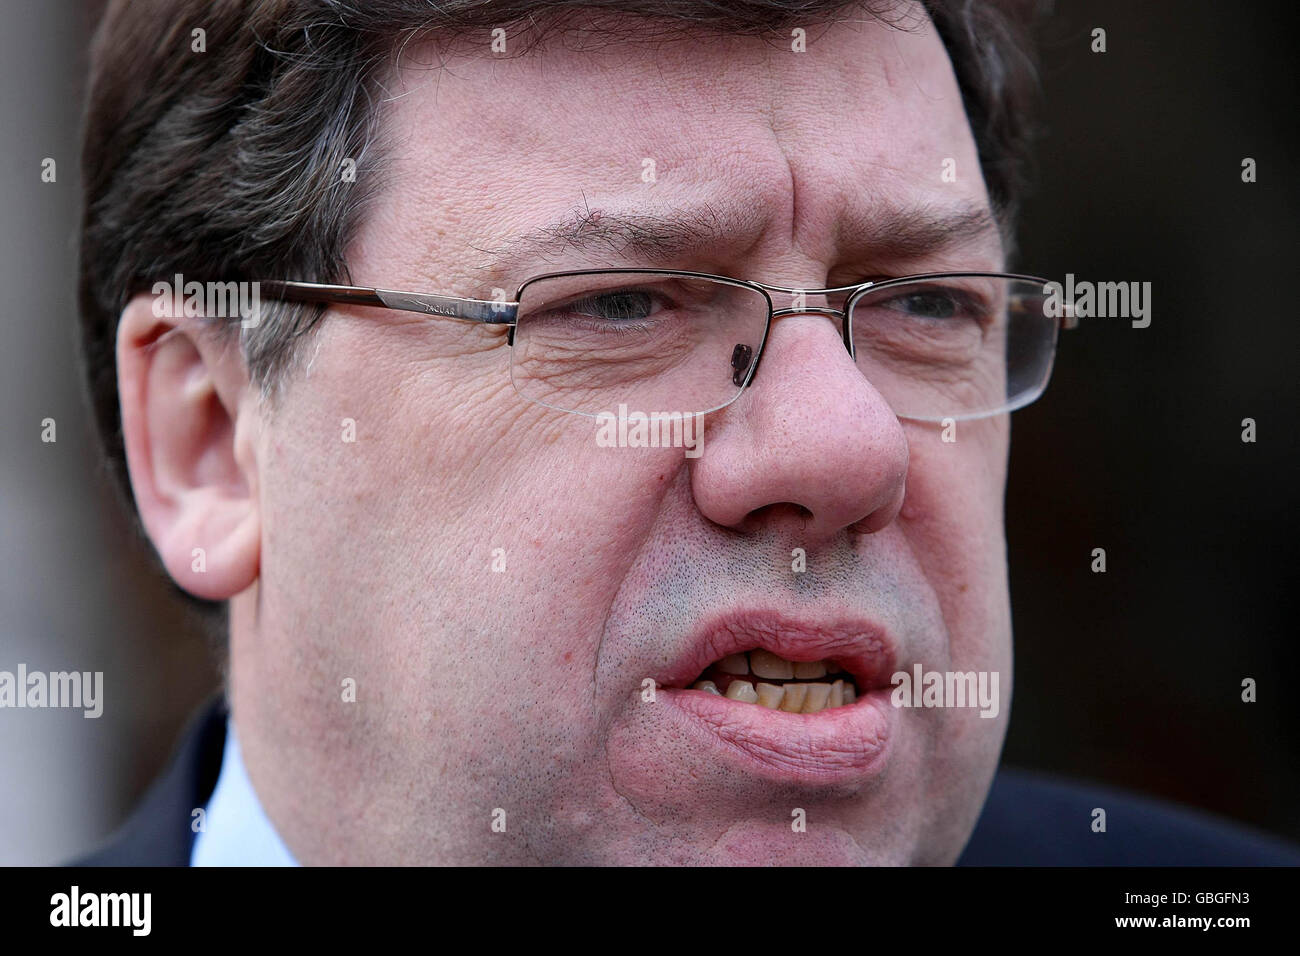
x: 1131, y: 677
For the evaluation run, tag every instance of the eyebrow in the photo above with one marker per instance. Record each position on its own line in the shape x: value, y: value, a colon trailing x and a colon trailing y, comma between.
x: 880, y: 233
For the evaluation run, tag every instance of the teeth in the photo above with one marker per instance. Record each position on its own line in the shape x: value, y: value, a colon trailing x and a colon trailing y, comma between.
x: 836, y: 698
x: 766, y: 664
x: 769, y: 696
x: 792, y: 701
x: 818, y: 694
x: 735, y: 664
x: 742, y: 690
x: 809, y: 697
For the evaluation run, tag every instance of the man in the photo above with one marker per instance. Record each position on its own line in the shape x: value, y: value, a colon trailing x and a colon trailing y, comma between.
x: 462, y: 627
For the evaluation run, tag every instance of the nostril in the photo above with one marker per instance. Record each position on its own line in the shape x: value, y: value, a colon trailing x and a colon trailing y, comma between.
x: 783, y: 510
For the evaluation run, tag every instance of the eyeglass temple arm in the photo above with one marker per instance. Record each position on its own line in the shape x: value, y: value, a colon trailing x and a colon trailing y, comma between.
x: 489, y: 311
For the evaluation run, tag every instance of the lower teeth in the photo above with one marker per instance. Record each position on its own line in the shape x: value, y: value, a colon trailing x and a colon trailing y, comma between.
x: 801, y: 698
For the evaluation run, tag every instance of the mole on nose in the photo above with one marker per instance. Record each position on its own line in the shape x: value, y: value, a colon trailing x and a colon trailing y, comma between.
x: 740, y: 358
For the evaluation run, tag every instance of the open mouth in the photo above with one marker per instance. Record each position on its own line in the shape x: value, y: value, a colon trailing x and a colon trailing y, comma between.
x: 790, y: 700
x: 759, y: 676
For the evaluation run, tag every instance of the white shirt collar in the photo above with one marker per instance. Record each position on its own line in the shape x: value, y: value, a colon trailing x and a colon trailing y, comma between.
x: 236, y: 830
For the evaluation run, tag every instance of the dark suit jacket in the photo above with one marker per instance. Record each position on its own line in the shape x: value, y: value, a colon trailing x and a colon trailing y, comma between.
x: 1028, y: 820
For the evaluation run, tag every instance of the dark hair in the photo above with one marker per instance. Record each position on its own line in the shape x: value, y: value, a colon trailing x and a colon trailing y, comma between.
x: 225, y: 164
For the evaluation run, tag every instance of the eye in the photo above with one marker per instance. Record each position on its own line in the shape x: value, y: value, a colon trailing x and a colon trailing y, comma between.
x: 929, y: 304
x: 623, y: 305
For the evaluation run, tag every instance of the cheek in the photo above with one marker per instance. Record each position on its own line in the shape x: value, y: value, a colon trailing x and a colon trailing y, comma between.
x: 410, y: 505
x: 955, y: 489
x: 953, y: 519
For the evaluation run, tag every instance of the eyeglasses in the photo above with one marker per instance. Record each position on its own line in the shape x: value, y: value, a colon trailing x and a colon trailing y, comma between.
x: 959, y: 345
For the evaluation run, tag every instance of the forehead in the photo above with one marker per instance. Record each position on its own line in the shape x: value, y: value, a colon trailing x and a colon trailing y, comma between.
x: 753, y: 134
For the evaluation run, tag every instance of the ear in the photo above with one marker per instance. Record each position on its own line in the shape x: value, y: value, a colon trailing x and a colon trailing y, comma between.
x: 189, y: 422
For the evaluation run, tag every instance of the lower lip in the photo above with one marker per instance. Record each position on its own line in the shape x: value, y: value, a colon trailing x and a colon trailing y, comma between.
x: 831, y: 746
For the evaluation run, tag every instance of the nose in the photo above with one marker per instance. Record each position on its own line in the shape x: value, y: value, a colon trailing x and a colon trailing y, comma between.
x: 810, y: 444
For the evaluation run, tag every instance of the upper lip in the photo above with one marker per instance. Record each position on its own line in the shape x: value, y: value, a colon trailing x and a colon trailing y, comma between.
x: 862, y: 647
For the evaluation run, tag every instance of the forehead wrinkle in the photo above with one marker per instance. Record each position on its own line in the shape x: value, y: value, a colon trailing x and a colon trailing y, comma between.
x: 855, y: 220
x: 654, y: 235
x: 893, y: 231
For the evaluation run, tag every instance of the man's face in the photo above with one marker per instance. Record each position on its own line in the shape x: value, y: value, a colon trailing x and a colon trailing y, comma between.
x: 500, y: 587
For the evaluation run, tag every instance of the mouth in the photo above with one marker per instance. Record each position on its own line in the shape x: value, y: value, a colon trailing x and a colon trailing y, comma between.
x: 761, y: 677
x: 789, y: 700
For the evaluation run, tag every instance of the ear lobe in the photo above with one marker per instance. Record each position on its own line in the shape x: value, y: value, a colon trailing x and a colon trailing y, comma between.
x: 181, y: 397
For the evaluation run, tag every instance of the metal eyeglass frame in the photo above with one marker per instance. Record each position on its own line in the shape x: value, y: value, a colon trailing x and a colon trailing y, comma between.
x: 493, y: 312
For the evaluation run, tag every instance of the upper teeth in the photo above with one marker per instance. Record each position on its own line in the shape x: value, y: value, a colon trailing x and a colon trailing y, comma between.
x: 734, y: 664
x: 806, y: 670
x: 766, y: 664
